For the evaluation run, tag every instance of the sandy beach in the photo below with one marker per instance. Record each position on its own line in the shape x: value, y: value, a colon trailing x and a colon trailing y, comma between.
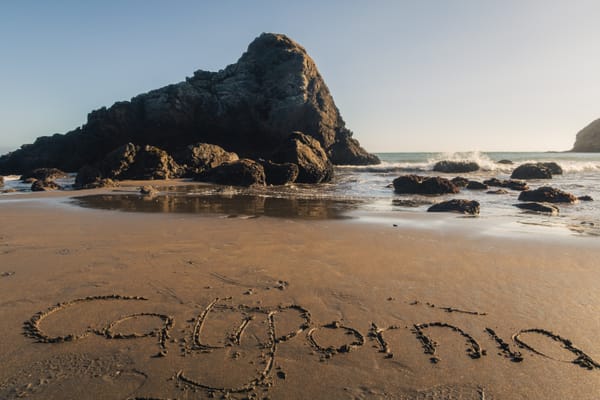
x: 116, y: 305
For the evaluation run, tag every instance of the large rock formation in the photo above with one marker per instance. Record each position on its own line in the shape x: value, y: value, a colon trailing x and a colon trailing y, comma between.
x: 248, y: 108
x: 588, y: 139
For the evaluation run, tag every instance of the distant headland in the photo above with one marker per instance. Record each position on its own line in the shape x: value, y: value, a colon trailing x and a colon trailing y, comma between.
x: 588, y: 139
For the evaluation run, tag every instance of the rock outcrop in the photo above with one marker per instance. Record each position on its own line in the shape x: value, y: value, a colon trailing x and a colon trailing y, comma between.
x: 249, y: 108
x: 43, y: 174
x: 588, y: 139
x: 415, y: 184
x: 42, y: 185
x: 470, y: 207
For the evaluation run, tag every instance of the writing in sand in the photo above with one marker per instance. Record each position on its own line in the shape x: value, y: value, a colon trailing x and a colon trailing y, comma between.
x: 249, y: 337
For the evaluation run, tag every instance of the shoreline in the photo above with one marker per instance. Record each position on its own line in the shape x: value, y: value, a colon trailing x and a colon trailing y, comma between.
x: 264, y: 278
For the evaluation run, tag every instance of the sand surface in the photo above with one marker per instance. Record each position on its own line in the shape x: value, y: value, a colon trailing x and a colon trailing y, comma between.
x: 115, y: 305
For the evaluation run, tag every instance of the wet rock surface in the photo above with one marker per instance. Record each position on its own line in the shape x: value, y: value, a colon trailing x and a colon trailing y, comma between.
x: 243, y: 172
x: 532, y: 171
x: 542, y: 208
x: 456, y: 166
x: 308, y: 155
x: 470, y: 207
x: 547, y: 194
x: 416, y: 184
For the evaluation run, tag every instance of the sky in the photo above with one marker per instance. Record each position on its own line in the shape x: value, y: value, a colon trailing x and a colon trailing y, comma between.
x: 423, y: 75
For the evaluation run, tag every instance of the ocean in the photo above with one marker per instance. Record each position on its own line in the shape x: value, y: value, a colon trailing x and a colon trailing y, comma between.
x: 365, y: 192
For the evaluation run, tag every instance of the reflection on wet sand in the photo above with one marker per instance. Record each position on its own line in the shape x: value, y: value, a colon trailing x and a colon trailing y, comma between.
x: 231, y: 205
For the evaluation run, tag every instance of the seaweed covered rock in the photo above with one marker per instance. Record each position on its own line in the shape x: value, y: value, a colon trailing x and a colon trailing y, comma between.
x: 242, y: 172
x: 470, y: 207
x: 416, y: 184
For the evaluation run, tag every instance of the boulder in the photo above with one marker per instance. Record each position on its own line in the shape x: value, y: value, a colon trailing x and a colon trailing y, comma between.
x: 585, y: 198
x: 460, y: 181
x: 151, y: 163
x: 493, y: 182
x: 415, y: 184
x: 198, y: 157
x: 506, y: 162
x: 456, y: 166
x: 554, y: 168
x: 588, y: 139
x: 539, y: 208
x: 456, y: 205
x: 248, y: 107
x: 474, y: 185
x: 1, y: 181
x: 118, y: 161
x: 279, y: 174
x: 547, y: 194
x: 44, y: 185
x: 308, y: 155
x: 242, y: 172
x: 43, y: 174
x: 531, y: 171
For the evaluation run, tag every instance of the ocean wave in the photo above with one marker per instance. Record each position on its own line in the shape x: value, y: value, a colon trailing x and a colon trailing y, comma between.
x: 485, y: 162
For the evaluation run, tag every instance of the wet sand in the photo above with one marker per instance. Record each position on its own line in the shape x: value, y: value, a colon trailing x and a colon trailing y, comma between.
x: 114, y: 305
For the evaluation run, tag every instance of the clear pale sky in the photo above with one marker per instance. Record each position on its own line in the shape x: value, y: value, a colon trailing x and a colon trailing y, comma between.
x: 407, y: 76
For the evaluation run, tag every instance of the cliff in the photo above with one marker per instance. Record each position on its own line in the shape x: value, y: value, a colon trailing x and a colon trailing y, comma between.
x: 588, y: 139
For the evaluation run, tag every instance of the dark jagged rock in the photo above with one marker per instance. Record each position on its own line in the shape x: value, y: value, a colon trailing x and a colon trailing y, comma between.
x: 509, y: 183
x: 347, y: 151
x: 89, y: 177
x: 460, y: 181
x: 41, y: 185
x: 538, y: 208
x: 249, y: 107
x: 118, y: 161
x: 507, y: 162
x: 415, y: 184
x: 198, y: 157
x: 279, y: 174
x: 585, y: 198
x: 456, y: 205
x: 308, y: 155
x: 531, y: 171
x: 43, y: 174
x: 151, y: 163
x: 474, y: 185
x: 588, y: 139
x: 554, y: 168
x: 1, y: 181
x: 547, y: 194
x: 456, y: 166
x: 242, y: 172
